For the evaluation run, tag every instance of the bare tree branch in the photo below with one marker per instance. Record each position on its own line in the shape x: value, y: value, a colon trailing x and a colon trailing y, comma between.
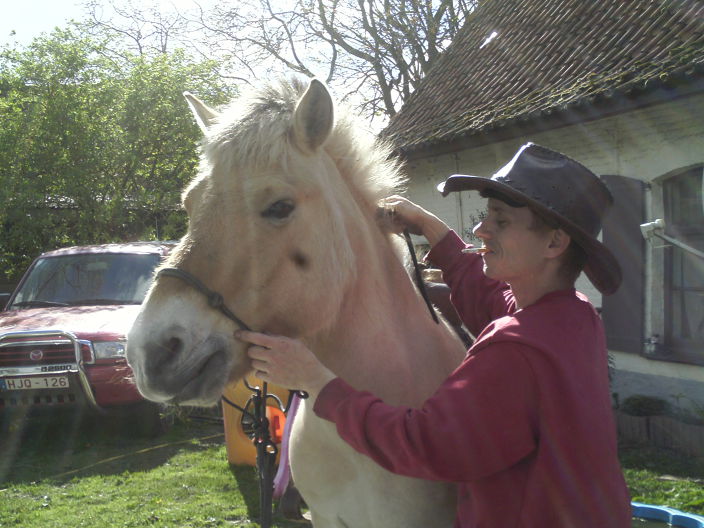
x: 375, y: 51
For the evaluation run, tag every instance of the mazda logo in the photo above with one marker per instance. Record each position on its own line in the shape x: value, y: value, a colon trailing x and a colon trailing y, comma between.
x: 36, y: 355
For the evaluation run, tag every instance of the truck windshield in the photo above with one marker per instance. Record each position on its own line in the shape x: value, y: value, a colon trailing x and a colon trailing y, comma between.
x: 90, y: 278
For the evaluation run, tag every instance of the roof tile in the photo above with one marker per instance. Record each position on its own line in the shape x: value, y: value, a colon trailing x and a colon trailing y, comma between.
x: 547, y: 55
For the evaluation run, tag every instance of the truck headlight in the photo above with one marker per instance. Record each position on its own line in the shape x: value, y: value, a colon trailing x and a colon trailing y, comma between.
x: 109, y: 349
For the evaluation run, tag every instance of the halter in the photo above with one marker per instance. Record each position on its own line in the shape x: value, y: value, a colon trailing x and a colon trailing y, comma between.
x: 215, y: 300
x: 254, y: 422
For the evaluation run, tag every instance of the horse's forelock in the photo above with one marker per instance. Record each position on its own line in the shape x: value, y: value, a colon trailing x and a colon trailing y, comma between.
x: 254, y: 131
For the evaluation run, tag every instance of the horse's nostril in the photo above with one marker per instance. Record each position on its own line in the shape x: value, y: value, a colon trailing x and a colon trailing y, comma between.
x: 174, y: 345
x: 166, y: 347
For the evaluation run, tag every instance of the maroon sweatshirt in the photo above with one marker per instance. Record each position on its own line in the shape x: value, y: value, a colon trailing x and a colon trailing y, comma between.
x: 524, y: 425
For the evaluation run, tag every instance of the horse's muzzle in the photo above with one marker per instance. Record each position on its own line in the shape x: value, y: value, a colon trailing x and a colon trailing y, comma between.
x: 172, y: 369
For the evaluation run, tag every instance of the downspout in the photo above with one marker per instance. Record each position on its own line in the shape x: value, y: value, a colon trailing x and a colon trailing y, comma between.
x: 460, y: 206
x: 648, y: 278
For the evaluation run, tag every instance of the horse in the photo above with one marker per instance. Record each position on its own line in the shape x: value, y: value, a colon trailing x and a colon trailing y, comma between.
x: 283, y: 223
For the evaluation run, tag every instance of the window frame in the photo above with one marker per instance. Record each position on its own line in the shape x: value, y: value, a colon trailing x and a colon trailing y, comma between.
x: 677, y: 348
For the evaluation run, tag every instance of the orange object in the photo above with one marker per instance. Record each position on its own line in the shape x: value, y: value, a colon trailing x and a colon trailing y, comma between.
x: 277, y: 421
x: 239, y: 446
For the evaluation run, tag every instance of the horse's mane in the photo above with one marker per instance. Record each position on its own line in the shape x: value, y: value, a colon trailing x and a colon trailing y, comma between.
x: 254, y: 130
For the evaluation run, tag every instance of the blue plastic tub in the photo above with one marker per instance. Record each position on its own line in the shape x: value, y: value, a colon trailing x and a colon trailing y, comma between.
x: 665, y: 515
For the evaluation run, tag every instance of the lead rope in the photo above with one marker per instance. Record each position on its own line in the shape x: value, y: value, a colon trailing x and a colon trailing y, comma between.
x: 419, y: 277
x: 254, y: 422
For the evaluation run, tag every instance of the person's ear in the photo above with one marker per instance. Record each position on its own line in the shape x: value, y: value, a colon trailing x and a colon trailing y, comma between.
x: 559, y: 242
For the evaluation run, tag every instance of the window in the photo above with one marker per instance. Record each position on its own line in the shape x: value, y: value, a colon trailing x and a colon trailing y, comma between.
x: 684, y: 271
x: 88, y: 278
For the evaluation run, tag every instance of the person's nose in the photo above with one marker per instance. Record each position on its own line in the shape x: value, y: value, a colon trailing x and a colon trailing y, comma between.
x: 480, y: 230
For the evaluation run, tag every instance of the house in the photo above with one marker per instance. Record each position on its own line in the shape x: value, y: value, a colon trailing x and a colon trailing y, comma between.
x: 619, y: 86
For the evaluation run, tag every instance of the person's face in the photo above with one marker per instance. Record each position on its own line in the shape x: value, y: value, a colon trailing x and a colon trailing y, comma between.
x: 516, y: 252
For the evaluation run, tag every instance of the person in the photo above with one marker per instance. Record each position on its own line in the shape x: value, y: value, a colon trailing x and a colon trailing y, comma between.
x: 524, y: 425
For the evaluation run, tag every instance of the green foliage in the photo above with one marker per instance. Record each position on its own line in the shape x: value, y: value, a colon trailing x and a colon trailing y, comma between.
x: 665, y: 478
x: 639, y: 405
x: 688, y: 410
x: 94, y: 149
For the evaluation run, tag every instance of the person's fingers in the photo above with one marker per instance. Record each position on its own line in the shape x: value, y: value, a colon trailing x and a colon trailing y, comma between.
x: 259, y: 353
x: 259, y: 339
x: 260, y: 366
x: 255, y: 338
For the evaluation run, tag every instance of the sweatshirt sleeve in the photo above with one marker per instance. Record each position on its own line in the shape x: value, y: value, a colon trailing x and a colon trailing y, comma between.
x: 480, y: 421
x: 477, y: 298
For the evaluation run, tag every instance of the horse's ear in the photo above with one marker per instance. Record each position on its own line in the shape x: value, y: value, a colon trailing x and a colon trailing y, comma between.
x: 314, y: 117
x: 205, y: 116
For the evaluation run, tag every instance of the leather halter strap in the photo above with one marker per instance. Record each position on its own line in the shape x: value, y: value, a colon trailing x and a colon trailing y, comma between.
x: 420, y: 283
x: 215, y: 300
x: 256, y: 419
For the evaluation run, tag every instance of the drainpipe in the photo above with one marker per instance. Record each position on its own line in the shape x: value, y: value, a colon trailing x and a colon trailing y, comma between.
x: 460, y: 207
x: 648, y: 279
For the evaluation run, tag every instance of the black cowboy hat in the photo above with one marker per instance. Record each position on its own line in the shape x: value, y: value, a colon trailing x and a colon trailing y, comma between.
x: 561, y: 189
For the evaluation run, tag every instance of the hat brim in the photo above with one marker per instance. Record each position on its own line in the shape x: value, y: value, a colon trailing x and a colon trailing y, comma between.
x: 601, y: 268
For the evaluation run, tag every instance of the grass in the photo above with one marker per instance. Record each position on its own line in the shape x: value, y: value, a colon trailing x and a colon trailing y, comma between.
x: 54, y: 474
x: 664, y: 478
x: 89, y: 477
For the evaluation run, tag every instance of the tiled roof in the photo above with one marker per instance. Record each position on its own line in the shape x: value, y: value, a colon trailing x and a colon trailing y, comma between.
x: 548, y: 55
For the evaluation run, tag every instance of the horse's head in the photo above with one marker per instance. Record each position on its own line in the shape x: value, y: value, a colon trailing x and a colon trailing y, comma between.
x: 270, y: 218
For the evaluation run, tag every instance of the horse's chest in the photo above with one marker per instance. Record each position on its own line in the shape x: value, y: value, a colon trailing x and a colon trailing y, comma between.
x: 316, y: 447
x: 345, y: 488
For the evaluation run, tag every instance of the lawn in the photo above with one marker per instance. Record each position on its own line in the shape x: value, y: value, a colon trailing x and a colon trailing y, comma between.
x: 664, y: 478
x: 95, y: 475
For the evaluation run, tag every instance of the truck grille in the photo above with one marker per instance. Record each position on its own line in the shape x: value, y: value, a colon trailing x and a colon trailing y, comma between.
x: 35, y: 352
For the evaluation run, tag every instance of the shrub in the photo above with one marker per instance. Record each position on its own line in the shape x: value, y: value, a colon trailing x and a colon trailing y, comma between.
x: 640, y: 405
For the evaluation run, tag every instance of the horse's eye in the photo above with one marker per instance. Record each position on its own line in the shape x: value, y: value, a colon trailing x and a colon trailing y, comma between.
x: 279, y: 210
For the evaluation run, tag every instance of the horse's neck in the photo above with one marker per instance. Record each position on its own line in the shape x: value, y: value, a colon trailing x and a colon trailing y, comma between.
x: 386, y: 340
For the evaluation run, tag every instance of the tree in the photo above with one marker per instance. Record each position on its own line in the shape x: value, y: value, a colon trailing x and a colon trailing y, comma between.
x: 372, y: 51
x: 93, y: 149
x: 380, y: 47
x: 142, y: 29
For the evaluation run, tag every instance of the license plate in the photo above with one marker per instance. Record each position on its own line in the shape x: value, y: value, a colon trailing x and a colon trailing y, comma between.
x: 44, y: 382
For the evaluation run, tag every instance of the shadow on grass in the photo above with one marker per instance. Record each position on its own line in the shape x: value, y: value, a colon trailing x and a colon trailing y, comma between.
x: 662, y: 461
x: 79, y: 444
x: 248, y: 483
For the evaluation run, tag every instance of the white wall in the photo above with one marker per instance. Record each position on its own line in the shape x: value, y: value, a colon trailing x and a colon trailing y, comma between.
x: 647, y: 144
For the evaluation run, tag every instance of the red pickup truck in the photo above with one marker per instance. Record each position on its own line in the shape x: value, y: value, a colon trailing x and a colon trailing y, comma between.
x: 62, y: 331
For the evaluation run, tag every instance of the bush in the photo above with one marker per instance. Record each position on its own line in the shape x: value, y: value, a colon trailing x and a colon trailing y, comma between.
x: 639, y: 405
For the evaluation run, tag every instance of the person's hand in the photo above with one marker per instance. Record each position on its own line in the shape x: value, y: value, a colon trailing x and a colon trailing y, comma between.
x: 286, y: 362
x: 405, y: 214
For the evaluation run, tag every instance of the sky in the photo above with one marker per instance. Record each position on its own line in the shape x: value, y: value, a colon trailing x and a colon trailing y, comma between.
x: 30, y: 18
